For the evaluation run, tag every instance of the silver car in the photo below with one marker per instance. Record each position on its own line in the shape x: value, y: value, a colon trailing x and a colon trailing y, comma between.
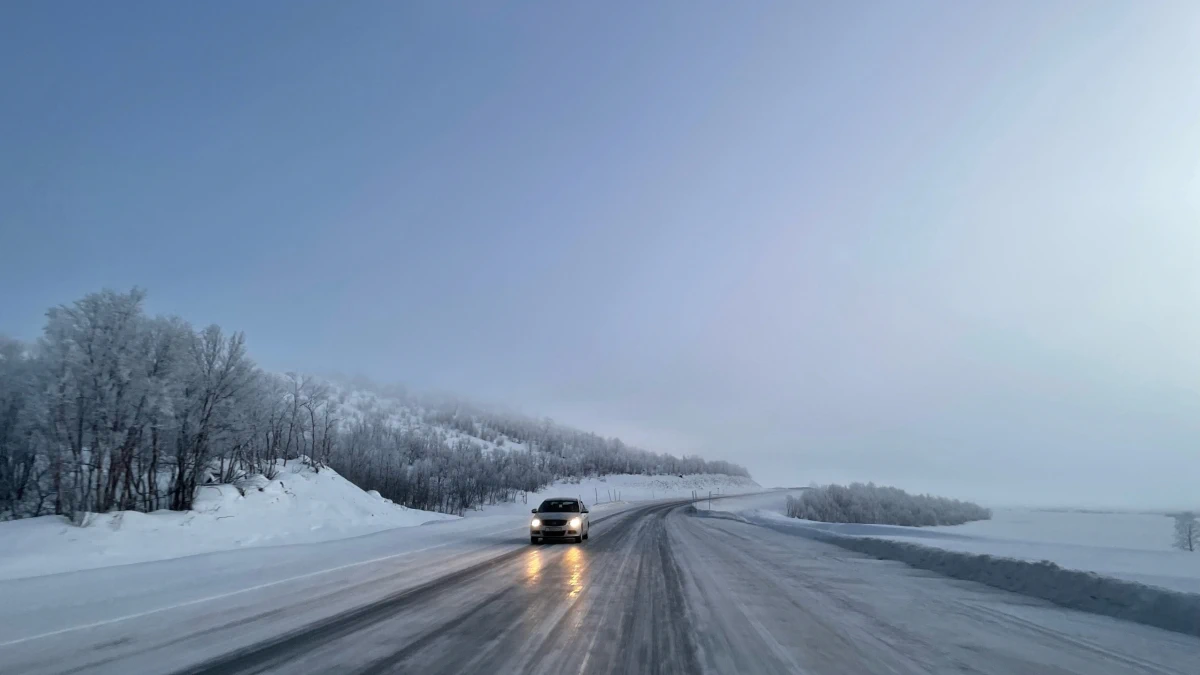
x: 559, y: 519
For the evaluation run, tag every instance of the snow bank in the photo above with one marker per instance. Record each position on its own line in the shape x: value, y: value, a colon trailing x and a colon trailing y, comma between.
x: 1074, y: 589
x: 298, y: 506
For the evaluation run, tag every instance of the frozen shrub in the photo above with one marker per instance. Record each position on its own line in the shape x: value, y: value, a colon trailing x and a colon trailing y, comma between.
x: 870, y: 503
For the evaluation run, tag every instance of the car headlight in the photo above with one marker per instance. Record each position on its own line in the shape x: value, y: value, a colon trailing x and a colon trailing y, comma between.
x: 535, y: 523
x: 575, y: 522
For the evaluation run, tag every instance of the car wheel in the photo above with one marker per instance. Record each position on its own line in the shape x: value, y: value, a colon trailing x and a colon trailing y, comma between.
x: 535, y: 540
x: 586, y: 535
x: 579, y: 539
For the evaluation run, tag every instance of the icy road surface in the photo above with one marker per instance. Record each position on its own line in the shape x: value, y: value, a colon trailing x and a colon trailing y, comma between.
x: 655, y: 590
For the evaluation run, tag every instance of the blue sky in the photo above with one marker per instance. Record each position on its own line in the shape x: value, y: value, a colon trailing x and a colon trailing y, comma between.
x: 950, y: 246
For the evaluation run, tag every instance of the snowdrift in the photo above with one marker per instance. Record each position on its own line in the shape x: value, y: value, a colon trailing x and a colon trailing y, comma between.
x: 1074, y: 589
x: 297, y: 506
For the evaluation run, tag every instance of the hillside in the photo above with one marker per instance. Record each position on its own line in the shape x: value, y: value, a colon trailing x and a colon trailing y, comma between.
x: 444, y: 454
x: 114, y: 410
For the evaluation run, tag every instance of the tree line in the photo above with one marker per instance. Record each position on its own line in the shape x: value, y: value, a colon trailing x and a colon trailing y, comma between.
x: 113, y: 409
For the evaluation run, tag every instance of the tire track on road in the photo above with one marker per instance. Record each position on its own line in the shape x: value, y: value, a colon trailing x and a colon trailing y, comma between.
x: 264, y: 656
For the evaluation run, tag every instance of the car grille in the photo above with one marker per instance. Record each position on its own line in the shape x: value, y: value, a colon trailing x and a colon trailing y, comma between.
x: 554, y: 523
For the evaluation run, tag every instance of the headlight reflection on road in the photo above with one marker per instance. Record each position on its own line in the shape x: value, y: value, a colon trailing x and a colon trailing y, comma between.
x: 574, y: 559
x: 533, y: 567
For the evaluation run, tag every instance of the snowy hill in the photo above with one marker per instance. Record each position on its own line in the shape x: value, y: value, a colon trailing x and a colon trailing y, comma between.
x: 456, y: 421
x: 298, y: 506
x: 444, y: 454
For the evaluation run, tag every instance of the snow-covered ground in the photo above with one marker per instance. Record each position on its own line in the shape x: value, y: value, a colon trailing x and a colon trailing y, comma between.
x: 243, y: 550
x: 298, y: 506
x: 1137, y: 531
x: 211, y: 584
x: 201, y: 559
x: 1130, y: 546
x: 1105, y: 574
x: 734, y: 598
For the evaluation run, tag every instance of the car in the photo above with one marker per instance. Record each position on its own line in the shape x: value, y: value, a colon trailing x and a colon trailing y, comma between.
x: 561, y: 519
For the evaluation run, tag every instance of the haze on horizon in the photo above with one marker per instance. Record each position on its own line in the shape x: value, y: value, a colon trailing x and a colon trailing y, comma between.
x: 949, y: 247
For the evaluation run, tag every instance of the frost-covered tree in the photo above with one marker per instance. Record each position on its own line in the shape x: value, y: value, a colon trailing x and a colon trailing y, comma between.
x: 20, y: 432
x: 870, y: 503
x: 1187, y: 531
x: 112, y: 409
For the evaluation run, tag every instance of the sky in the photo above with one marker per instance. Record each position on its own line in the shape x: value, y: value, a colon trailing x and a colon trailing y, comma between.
x: 953, y: 247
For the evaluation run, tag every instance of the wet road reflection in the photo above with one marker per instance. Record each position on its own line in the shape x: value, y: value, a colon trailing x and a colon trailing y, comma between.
x: 533, y: 567
x: 575, y: 567
x: 544, y: 569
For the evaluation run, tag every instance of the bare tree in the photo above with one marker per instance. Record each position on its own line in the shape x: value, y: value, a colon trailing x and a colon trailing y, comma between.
x: 1187, y: 531
x: 19, y: 435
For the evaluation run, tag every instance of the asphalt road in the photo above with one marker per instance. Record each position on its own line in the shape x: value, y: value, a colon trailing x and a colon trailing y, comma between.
x: 656, y: 589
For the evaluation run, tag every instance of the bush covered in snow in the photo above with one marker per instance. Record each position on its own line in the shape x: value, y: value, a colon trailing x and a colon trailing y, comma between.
x: 870, y: 503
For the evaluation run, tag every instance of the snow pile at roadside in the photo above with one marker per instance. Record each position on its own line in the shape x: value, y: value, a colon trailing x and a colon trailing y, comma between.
x: 1074, y: 589
x: 623, y: 488
x: 298, y: 506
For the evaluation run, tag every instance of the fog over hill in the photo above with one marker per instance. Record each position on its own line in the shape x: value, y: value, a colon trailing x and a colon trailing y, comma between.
x: 112, y: 409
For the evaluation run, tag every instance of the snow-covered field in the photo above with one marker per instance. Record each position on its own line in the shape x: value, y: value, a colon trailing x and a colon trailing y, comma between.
x: 299, y: 506
x: 1114, y: 564
x: 1130, y: 546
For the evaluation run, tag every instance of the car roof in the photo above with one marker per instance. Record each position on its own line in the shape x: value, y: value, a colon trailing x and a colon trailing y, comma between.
x: 562, y: 499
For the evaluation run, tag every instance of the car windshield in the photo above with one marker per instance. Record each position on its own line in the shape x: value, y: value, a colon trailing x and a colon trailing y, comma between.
x: 559, y: 506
